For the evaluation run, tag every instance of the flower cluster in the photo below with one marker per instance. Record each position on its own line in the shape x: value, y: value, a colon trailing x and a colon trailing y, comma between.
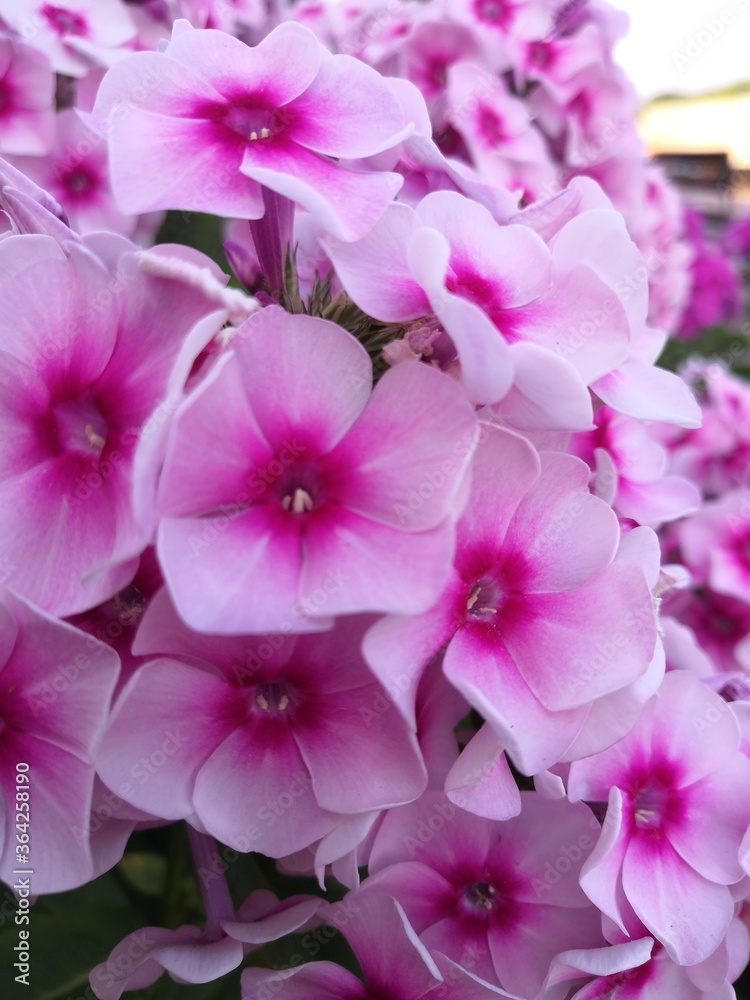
x: 715, y: 289
x: 353, y: 564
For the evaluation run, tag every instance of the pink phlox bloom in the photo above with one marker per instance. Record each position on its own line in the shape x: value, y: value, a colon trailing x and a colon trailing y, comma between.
x: 394, y: 962
x: 57, y: 684
x: 629, y: 470
x: 715, y: 544
x: 715, y: 292
x: 283, y: 466
x: 75, y: 173
x: 716, y: 455
x: 528, y: 590
x: 83, y: 369
x: 679, y: 804
x: 58, y: 27
x: 192, y: 955
x: 502, y: 143
x: 639, y: 970
x: 276, y: 732
x: 501, y: 297
x: 219, y: 119
x: 720, y: 623
x: 27, y: 96
x: 506, y: 892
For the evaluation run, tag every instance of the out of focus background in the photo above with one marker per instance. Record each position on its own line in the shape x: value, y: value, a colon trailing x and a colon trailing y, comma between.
x: 690, y: 63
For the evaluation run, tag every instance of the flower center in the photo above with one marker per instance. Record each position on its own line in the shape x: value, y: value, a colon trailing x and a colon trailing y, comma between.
x: 78, y: 181
x: 735, y: 689
x: 255, y: 122
x: 484, y: 601
x: 298, y: 502
x: 427, y: 340
x: 494, y: 11
x: 491, y: 126
x: 540, y: 54
x: 62, y: 21
x: 80, y: 426
x: 272, y: 698
x: 651, y: 807
x: 298, y: 489
x: 481, y: 896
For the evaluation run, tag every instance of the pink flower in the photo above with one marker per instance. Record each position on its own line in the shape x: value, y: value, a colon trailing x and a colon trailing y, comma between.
x: 716, y: 455
x: 506, y: 892
x: 59, y: 28
x: 191, y: 955
x: 75, y: 173
x: 638, y: 388
x: 214, y: 120
x: 497, y: 129
x: 499, y: 21
x: 82, y: 369
x: 538, y: 620
x: 721, y: 625
x: 427, y: 52
x: 27, y: 98
x: 715, y: 293
x: 484, y: 786
x: 557, y: 60
x: 715, y: 544
x: 276, y: 748
x: 630, y: 470
x: 736, y: 238
x: 288, y: 478
x: 642, y: 970
x: 503, y: 300
x: 394, y: 963
x: 54, y: 705
x: 679, y: 805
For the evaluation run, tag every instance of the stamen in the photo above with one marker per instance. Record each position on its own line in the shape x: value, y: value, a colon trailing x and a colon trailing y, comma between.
x: 94, y: 439
x: 481, y: 896
x: 473, y: 598
x: 645, y: 817
x: 300, y: 502
x: 272, y: 698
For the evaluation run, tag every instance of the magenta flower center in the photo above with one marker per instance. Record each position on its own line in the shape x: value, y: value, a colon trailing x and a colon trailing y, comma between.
x: 491, y: 126
x: 481, y: 897
x: 299, y: 490
x: 486, y: 598
x: 79, y: 181
x: 254, y: 121
x: 494, y: 11
x: 80, y: 426
x: 540, y: 54
x: 62, y: 21
x: 272, y: 698
x: 651, y: 807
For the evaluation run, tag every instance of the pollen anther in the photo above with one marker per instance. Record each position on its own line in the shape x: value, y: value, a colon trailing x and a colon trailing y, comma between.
x: 300, y: 502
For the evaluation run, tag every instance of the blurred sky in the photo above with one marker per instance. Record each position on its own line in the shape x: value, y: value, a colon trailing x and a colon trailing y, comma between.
x: 670, y: 47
